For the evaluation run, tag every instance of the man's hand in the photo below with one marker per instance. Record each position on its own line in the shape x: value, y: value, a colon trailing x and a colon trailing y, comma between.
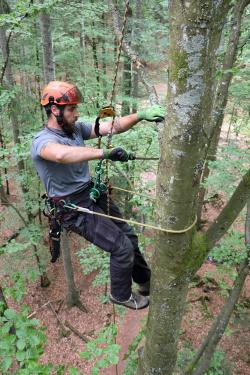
x: 117, y: 154
x: 155, y: 113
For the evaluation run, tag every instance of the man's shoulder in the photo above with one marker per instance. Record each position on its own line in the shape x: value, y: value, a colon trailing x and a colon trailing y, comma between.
x: 43, y: 133
x: 39, y: 140
x: 84, y: 128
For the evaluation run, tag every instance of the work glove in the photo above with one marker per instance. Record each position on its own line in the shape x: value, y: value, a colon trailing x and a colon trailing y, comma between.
x: 118, y: 154
x: 155, y: 113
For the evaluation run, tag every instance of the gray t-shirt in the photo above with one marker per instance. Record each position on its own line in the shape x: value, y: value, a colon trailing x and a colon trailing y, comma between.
x: 61, y: 179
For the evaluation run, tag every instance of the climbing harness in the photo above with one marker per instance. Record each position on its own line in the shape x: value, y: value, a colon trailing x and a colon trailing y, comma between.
x: 87, y: 211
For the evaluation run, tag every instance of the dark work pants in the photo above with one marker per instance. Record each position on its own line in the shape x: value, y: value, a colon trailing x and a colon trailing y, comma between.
x: 113, y: 236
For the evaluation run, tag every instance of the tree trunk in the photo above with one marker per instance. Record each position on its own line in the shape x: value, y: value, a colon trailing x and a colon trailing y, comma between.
x: 5, y: 171
x: 221, y: 96
x: 48, y: 54
x: 14, y: 107
x: 136, y: 45
x: 73, y: 293
x: 194, y: 38
x: 104, y: 62
x: 126, y: 75
x: 11, y: 83
x: 3, y: 303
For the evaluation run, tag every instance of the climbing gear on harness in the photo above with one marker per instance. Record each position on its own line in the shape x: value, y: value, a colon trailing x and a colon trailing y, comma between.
x: 60, y: 93
x: 87, y: 211
x: 50, y: 212
x: 117, y: 154
x: 99, y: 185
x: 155, y: 113
x: 135, y: 301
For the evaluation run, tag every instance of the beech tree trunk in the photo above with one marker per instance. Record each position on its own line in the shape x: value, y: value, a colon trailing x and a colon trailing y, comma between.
x: 221, y: 95
x: 73, y: 297
x: 48, y: 54
x: 195, y: 31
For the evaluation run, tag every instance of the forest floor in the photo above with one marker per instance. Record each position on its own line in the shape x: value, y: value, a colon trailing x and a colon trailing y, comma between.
x: 202, y: 305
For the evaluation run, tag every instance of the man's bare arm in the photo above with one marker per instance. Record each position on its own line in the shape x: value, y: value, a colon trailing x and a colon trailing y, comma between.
x: 69, y: 154
x: 121, y: 125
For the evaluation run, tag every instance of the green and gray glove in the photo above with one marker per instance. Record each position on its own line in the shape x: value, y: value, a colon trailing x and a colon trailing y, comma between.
x: 118, y: 154
x: 155, y: 113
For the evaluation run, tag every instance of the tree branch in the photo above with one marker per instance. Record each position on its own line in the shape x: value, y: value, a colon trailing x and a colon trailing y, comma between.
x: 229, y: 213
x: 205, y: 352
x: 4, y: 8
x: 221, y: 96
x: 133, y: 56
x: 6, y: 201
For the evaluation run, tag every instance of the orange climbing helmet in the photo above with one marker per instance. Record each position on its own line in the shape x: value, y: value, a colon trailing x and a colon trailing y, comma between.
x: 60, y: 93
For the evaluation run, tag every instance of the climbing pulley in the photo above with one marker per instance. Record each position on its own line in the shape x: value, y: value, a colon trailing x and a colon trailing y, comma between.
x: 107, y: 111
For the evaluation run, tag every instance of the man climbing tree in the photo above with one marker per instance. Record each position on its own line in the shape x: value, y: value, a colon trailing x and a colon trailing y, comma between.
x: 61, y: 160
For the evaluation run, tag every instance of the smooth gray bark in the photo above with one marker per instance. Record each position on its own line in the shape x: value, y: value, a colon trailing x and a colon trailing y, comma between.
x: 47, y: 43
x: 73, y: 296
x: 221, y: 94
x: 195, y: 29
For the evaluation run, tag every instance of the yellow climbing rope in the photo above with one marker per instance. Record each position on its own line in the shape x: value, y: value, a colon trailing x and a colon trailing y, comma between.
x: 87, y: 211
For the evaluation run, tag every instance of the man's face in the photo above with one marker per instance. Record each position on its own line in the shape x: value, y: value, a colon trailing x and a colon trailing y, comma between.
x: 70, y: 116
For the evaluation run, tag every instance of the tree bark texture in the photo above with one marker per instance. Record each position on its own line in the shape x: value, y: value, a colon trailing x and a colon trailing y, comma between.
x: 195, y: 28
x: 48, y: 54
x: 221, y: 94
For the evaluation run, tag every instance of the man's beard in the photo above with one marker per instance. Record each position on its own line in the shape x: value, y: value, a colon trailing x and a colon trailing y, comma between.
x: 68, y: 128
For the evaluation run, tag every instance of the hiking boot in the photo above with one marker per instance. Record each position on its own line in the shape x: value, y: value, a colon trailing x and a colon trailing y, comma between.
x: 144, y: 289
x: 135, y: 302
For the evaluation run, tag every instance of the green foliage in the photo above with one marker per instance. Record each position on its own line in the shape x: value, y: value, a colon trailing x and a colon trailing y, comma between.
x: 231, y: 250
x: 92, y: 259
x: 219, y: 364
x: 74, y: 371
x: 131, y: 356
x: 103, y: 349
x: 22, y: 339
x: 231, y: 165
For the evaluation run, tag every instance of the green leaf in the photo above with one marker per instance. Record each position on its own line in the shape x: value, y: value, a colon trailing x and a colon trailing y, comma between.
x: 10, y: 314
x: 20, y: 344
x: 20, y: 356
x: 5, y: 364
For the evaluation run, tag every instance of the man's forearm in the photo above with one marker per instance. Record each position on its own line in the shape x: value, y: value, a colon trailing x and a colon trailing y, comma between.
x: 122, y: 124
x: 70, y: 154
x: 77, y: 154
